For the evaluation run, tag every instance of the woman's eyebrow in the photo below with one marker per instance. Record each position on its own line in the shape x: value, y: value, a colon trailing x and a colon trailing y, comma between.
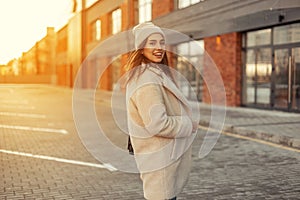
x: 153, y: 40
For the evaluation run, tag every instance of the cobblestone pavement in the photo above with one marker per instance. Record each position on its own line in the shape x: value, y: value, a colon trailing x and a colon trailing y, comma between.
x: 42, y: 157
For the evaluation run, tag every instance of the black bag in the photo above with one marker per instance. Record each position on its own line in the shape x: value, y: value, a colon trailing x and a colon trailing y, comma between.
x: 129, y: 147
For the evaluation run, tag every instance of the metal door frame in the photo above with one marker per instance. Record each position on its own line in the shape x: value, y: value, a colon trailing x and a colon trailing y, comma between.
x: 290, y: 74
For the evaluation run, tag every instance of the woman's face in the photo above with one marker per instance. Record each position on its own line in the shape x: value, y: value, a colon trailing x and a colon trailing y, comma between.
x: 154, y: 49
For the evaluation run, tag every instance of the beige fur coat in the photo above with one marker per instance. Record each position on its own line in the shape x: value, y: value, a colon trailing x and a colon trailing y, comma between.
x: 160, y: 126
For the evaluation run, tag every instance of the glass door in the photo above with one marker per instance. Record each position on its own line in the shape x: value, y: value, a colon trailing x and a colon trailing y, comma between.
x: 287, y: 75
x: 258, y: 74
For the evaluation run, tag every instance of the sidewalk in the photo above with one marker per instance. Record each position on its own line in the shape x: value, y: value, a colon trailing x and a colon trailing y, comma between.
x: 269, y: 125
x: 273, y: 126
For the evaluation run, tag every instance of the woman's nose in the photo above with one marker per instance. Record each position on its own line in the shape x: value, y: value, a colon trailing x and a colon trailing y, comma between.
x: 159, y: 46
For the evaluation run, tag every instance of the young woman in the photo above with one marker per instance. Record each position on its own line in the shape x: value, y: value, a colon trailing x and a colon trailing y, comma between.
x: 159, y: 117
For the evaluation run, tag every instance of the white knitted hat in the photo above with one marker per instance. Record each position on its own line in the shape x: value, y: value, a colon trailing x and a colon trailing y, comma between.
x: 143, y: 31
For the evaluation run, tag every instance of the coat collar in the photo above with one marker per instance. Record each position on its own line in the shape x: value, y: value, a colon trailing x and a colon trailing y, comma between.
x: 168, y: 83
x: 163, y: 78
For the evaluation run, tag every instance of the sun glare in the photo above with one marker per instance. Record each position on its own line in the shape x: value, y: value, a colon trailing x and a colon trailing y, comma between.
x: 24, y: 22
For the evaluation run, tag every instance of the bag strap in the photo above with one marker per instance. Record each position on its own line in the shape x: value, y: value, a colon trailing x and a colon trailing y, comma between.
x: 129, y: 146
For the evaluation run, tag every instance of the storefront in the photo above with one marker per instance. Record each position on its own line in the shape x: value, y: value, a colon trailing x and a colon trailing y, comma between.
x: 254, y: 44
x: 271, y: 76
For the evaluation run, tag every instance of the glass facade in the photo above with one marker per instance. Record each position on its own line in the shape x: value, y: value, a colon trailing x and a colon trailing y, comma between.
x: 189, y: 63
x: 272, y: 68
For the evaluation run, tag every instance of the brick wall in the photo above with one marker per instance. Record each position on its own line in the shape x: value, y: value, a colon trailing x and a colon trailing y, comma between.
x: 160, y: 8
x: 225, y: 51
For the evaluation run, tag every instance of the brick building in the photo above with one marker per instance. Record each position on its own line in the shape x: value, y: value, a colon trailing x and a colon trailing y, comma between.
x: 37, y: 65
x: 40, y: 59
x: 254, y: 44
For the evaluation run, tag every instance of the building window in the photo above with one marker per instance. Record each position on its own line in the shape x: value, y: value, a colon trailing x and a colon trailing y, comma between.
x: 89, y: 3
x: 261, y: 37
x: 116, y: 21
x: 116, y: 70
x: 95, y: 31
x: 187, y: 3
x: 189, y: 63
x: 98, y: 29
x: 145, y: 10
x: 272, y: 67
x: 287, y: 34
x: 258, y: 68
x: 258, y: 76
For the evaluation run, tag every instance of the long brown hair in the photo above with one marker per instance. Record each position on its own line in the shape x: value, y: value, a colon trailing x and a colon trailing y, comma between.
x: 136, y: 58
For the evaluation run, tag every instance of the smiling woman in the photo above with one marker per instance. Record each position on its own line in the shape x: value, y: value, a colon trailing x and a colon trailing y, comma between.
x: 25, y: 22
x: 160, y: 120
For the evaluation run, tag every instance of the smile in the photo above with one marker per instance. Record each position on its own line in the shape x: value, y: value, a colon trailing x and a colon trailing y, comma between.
x: 158, y: 54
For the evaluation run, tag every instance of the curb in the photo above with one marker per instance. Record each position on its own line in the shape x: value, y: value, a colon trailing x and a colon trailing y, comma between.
x: 276, y: 139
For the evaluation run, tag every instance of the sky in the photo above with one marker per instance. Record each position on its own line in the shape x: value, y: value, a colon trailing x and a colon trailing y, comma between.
x: 24, y: 22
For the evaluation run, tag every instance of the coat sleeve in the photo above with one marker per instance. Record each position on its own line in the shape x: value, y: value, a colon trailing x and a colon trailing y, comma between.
x: 152, y: 110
